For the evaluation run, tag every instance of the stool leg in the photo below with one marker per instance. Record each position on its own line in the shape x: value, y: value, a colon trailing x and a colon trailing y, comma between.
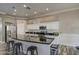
x: 13, y: 49
x: 27, y: 52
x: 32, y: 52
x: 8, y: 46
x: 18, y: 50
x: 22, y: 49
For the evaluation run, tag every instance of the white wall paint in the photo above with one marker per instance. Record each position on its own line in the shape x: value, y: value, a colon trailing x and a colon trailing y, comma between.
x: 0, y: 29
x: 69, y: 28
x: 69, y: 22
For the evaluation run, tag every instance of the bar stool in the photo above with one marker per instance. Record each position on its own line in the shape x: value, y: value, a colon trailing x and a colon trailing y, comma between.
x: 10, y: 45
x: 18, y: 49
x: 32, y: 49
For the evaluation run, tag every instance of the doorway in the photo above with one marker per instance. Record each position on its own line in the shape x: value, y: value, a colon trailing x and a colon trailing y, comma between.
x: 10, y: 31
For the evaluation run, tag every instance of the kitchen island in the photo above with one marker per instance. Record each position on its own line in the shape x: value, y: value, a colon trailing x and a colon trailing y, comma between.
x: 33, y: 40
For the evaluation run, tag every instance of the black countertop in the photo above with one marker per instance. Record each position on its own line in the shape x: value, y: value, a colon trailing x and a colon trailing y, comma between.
x: 39, y: 42
x: 43, y: 33
x: 48, y: 39
x: 33, y: 41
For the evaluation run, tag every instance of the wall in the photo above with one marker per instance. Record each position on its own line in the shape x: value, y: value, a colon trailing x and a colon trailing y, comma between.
x: 69, y: 22
x: 0, y: 29
x: 69, y: 28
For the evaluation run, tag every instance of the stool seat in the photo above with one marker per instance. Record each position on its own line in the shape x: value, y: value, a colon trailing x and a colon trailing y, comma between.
x: 32, y: 49
x: 10, y: 42
x: 18, y: 44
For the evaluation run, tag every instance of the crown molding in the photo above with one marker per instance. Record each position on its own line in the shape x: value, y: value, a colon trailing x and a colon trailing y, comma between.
x: 55, y: 13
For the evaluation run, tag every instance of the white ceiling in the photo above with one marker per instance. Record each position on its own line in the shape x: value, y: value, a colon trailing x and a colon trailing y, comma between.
x: 38, y: 7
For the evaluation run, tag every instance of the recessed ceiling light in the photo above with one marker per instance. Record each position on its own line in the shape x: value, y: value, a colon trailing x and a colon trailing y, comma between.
x: 47, y: 9
x: 25, y: 6
x: 35, y: 12
x: 15, y: 10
